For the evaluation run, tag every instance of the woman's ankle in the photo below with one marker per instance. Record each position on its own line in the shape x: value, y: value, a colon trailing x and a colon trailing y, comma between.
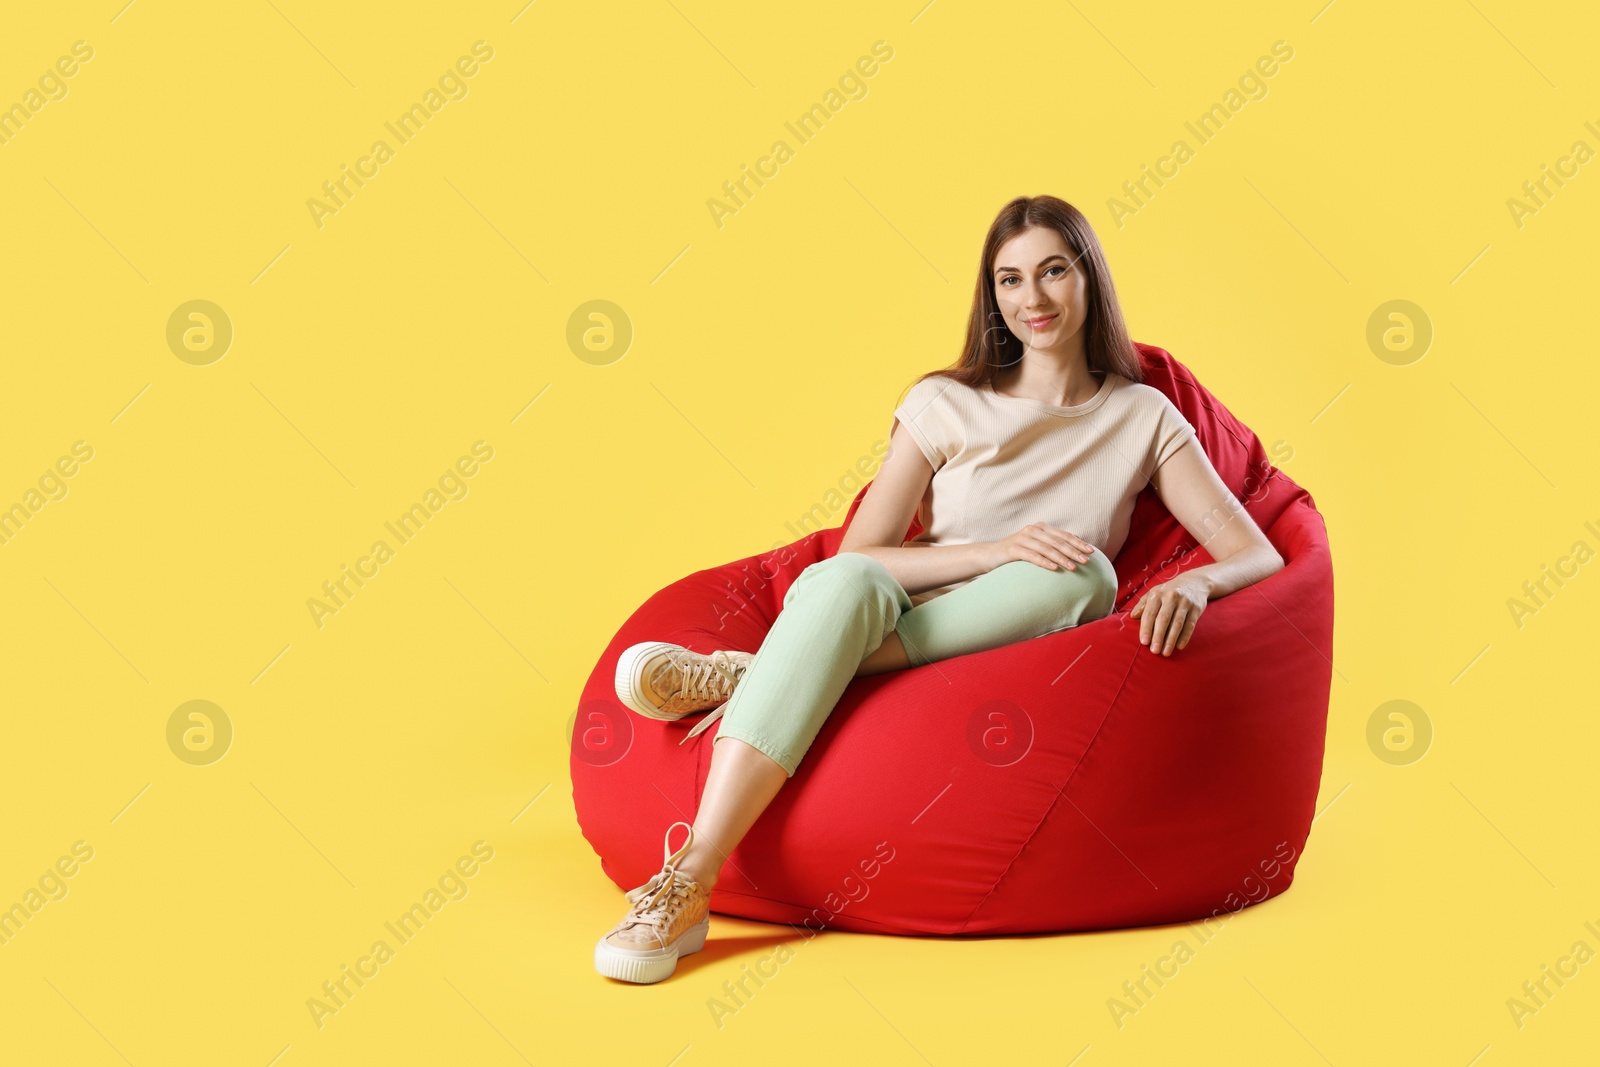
x: 705, y: 877
x: 704, y: 871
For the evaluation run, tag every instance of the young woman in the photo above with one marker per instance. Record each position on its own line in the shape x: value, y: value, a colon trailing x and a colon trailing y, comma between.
x: 1022, y: 462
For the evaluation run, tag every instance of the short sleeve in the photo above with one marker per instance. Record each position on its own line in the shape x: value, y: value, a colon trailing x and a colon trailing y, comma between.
x: 927, y: 414
x: 1172, y: 432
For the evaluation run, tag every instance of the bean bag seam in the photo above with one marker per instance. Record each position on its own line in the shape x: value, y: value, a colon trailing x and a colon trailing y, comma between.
x: 889, y: 928
x: 1110, y: 707
x: 1201, y: 400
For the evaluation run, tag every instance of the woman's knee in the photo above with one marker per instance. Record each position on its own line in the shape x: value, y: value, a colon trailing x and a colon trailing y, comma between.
x: 1069, y: 597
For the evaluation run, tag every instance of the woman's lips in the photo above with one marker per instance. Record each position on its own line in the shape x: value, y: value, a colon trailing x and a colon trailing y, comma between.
x: 1039, y: 324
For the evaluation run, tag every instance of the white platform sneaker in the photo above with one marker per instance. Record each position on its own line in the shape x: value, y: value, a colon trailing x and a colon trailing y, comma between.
x: 666, y: 681
x: 668, y: 917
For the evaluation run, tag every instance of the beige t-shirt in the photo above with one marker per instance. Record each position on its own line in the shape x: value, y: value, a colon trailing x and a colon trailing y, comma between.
x: 1002, y: 462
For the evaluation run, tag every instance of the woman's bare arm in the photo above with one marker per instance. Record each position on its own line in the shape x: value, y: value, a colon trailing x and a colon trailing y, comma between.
x: 1191, y: 489
x: 880, y: 523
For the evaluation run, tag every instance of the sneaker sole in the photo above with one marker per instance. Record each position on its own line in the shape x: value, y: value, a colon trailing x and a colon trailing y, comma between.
x: 627, y: 682
x: 648, y: 965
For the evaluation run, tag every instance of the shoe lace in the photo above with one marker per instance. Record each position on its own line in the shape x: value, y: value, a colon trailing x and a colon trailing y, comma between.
x: 667, y: 890
x: 710, y: 678
x: 703, y: 725
x: 664, y: 901
x: 735, y: 672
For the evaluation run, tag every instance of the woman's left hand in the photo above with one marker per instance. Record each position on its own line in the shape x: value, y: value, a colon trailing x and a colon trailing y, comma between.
x: 1168, y: 612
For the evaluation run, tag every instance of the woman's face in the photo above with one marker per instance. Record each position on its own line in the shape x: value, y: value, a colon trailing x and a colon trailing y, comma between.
x: 1041, y: 289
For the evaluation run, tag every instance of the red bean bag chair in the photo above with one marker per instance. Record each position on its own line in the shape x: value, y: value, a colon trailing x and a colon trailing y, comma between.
x: 1074, y: 781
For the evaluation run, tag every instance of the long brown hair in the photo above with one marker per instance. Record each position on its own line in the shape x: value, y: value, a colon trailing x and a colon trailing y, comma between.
x: 990, y: 344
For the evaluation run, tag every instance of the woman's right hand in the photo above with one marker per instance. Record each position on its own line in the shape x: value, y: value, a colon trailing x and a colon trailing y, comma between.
x: 1048, y: 546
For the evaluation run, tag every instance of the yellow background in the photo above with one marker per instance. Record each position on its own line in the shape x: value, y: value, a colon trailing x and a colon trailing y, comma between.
x: 431, y: 712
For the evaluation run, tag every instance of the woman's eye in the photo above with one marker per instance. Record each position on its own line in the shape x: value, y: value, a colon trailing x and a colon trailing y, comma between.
x: 1013, y: 277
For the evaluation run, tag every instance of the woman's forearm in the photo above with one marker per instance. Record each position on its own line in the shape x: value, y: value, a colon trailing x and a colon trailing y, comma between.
x: 921, y: 566
x: 1238, y: 570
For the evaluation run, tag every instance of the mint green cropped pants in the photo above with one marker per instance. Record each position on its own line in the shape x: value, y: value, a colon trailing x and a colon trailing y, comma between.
x: 841, y: 609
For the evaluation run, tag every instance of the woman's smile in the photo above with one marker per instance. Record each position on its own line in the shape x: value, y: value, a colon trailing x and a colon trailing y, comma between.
x: 1040, y: 323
